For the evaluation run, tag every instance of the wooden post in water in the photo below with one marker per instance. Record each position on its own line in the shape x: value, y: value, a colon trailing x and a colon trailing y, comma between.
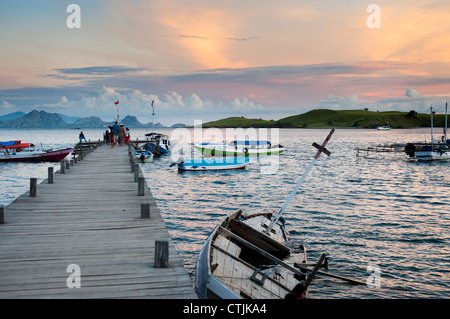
x: 50, y: 175
x: 33, y: 187
x: 161, y: 254
x: 2, y: 214
x: 145, y: 210
x: 67, y: 165
x: 141, y: 184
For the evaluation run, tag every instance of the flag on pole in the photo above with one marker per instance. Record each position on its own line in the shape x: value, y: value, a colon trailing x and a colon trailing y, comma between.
x: 116, y: 102
x: 152, y: 102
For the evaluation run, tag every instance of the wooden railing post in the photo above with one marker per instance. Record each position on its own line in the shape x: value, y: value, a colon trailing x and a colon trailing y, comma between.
x: 50, y: 175
x: 145, y: 210
x: 33, y: 187
x: 161, y: 254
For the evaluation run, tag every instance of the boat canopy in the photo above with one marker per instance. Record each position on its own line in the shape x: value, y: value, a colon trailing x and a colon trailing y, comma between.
x: 256, y: 142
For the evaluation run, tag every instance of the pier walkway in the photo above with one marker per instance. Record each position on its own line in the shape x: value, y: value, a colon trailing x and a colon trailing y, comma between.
x: 85, y: 230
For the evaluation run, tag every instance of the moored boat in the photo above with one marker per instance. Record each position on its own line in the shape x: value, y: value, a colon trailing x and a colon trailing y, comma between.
x: 143, y: 156
x: 243, y: 256
x: 436, y: 150
x: 25, y: 155
x: 239, y: 148
x: 202, y: 164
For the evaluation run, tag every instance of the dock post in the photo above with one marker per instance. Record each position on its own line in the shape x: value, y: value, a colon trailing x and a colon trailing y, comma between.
x: 71, y: 162
x: 161, y: 254
x: 63, y: 166
x: 145, y: 210
x: 141, y: 188
x: 67, y: 165
x: 136, y: 172
x: 50, y: 175
x: 33, y: 187
x: 2, y: 214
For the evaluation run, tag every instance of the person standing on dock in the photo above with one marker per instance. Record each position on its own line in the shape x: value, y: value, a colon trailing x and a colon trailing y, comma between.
x: 127, y: 136
x: 82, y: 137
x: 121, y: 134
x: 115, y: 133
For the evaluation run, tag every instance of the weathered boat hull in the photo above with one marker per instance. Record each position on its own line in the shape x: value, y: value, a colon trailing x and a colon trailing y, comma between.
x: 225, y: 269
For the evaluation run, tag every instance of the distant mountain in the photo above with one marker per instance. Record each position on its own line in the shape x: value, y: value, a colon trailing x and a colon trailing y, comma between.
x: 42, y: 119
x: 12, y: 116
x: 69, y: 119
x: 89, y: 122
x: 36, y: 119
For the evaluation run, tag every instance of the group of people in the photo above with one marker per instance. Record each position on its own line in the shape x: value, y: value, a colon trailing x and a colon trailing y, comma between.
x: 117, y: 135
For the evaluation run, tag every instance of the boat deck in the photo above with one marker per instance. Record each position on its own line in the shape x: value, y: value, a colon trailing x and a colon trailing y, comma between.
x: 89, y: 217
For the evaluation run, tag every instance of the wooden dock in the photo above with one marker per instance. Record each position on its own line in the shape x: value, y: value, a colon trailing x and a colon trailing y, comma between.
x: 83, y: 236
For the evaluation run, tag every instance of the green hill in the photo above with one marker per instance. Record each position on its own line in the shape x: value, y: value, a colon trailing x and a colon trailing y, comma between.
x: 337, y: 118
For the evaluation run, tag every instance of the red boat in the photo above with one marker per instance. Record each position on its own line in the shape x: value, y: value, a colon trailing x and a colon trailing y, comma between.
x: 15, y: 151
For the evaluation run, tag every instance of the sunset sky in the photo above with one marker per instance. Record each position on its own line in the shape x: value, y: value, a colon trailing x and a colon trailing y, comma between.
x: 206, y: 60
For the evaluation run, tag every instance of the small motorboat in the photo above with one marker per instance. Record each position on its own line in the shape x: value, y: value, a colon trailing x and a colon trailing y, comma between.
x: 30, y: 154
x: 143, y: 156
x: 212, y: 164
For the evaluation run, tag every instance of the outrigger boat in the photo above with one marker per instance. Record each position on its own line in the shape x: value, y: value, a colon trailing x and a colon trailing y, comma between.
x: 243, y: 256
x: 437, y: 150
x: 222, y: 163
x: 239, y: 148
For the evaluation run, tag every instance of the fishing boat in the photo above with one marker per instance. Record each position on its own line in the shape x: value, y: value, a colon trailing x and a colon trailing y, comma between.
x: 32, y: 155
x: 243, y: 256
x: 239, y: 148
x: 143, y: 156
x: 158, y: 143
x: 202, y: 164
x: 436, y: 150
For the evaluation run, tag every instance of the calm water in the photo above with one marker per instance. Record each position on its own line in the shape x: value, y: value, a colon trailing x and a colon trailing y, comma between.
x: 383, y: 210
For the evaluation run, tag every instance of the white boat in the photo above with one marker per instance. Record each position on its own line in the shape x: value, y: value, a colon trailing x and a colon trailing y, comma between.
x: 239, y: 148
x: 158, y: 143
x: 143, y: 156
x: 383, y: 128
x: 243, y: 256
x: 436, y: 150
x: 212, y: 164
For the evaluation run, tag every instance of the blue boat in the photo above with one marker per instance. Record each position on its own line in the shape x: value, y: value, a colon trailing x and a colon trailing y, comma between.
x: 212, y: 164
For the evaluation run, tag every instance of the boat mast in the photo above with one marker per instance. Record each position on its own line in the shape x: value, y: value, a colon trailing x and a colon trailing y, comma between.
x: 445, y: 126
x: 153, y: 120
x: 431, y: 111
x: 320, y: 149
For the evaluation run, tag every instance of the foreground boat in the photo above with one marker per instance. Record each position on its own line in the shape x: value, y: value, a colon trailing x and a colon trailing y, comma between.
x: 223, y: 163
x: 34, y: 155
x: 239, y: 148
x: 243, y: 256
x: 436, y: 150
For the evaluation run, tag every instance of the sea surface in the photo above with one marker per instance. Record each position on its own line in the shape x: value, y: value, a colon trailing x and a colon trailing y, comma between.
x: 382, y: 219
